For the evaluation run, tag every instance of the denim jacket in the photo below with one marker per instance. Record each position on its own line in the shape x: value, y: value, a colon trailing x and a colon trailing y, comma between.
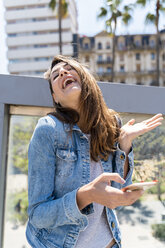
x: 59, y: 164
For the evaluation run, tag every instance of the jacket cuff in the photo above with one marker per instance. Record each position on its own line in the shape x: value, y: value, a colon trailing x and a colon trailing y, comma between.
x: 72, y: 211
x: 121, y: 158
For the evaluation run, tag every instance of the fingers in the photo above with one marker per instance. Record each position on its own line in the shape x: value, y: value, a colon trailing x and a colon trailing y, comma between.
x: 130, y: 122
x: 157, y: 117
x: 131, y: 196
x: 154, y: 123
x: 157, y: 121
x: 112, y: 177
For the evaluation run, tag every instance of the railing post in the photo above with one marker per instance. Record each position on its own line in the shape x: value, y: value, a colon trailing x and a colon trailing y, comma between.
x: 4, y: 130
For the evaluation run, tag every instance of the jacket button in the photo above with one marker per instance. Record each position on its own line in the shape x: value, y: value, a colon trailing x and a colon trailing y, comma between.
x: 122, y: 157
x: 113, y: 224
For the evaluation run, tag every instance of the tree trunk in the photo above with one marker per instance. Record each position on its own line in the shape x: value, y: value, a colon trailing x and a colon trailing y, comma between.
x: 113, y: 54
x: 159, y: 183
x: 157, y: 43
x: 59, y: 26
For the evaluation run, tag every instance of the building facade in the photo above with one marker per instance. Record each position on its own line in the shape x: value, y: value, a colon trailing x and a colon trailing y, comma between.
x: 135, y: 57
x: 32, y: 35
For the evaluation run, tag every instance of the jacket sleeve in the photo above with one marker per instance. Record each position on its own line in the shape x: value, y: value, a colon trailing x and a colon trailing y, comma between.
x: 44, y: 210
x: 118, y: 162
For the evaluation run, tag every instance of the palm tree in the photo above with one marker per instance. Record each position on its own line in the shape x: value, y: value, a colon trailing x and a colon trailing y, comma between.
x: 62, y: 6
x: 114, y: 10
x: 154, y: 19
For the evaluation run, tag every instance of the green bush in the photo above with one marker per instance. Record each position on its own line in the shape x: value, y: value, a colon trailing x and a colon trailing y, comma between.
x: 159, y: 231
x: 17, y: 204
x: 154, y: 190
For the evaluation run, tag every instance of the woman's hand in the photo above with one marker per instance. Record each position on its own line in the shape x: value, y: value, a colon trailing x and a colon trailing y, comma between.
x: 130, y: 131
x: 100, y: 191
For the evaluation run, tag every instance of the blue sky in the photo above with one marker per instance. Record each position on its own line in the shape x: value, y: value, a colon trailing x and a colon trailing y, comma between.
x: 89, y: 25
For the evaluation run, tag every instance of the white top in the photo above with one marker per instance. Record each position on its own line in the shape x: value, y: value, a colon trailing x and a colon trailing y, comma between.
x: 97, y: 234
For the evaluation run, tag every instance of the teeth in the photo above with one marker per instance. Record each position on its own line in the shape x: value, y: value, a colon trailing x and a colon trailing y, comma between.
x: 65, y: 82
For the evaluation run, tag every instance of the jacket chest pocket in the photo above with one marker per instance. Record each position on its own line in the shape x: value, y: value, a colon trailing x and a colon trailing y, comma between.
x: 65, y: 162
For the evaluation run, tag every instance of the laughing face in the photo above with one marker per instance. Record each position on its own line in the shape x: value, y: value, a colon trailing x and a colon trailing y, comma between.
x: 66, y: 85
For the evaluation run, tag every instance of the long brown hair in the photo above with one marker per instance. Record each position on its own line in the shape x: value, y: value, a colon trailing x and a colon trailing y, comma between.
x: 96, y: 119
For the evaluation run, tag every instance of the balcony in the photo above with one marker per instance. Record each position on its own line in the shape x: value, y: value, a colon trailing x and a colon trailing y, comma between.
x: 135, y: 47
x: 145, y: 72
x: 104, y: 62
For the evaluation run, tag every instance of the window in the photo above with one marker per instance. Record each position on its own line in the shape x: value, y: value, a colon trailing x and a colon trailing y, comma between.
x: 153, y: 83
x: 38, y: 72
x: 87, y: 58
x: 11, y: 61
x: 108, y: 45
x: 39, y: 46
x: 121, y: 45
x: 100, y: 58
x: 138, y: 68
x: 137, y: 56
x: 100, y: 70
x: 163, y: 56
x: 109, y: 69
x: 137, y: 43
x: 108, y: 58
x: 122, y: 68
x: 99, y: 45
x: 41, y: 59
x: 153, y: 66
x: 152, y: 43
x: 16, y: 181
x: 152, y: 56
x: 12, y: 35
x: 86, y: 46
x: 121, y: 57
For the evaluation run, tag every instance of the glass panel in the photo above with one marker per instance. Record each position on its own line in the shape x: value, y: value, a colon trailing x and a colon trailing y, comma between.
x: 136, y: 221
x: 21, y: 128
x: 143, y: 223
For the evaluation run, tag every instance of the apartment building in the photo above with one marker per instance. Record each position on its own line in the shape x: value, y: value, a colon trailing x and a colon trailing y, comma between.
x: 33, y: 37
x: 135, y: 57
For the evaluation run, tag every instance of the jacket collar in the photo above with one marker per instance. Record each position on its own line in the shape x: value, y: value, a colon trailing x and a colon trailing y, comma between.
x: 68, y: 128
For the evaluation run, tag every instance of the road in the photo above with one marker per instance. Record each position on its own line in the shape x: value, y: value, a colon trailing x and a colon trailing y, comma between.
x: 135, y: 223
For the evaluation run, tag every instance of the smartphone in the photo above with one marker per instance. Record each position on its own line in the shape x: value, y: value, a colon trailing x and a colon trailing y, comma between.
x: 139, y: 186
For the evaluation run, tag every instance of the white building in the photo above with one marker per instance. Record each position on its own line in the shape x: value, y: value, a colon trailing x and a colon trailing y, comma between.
x: 135, y: 57
x: 32, y: 35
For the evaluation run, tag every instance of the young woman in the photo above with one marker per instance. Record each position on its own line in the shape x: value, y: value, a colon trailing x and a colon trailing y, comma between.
x: 79, y: 159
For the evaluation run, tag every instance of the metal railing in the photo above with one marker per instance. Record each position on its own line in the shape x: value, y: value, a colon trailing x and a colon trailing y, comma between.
x: 34, y: 92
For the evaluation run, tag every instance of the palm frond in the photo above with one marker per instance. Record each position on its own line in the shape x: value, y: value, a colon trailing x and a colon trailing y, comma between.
x: 116, y: 13
x: 113, y: 4
x: 126, y: 18
x: 64, y: 8
x: 142, y: 2
x: 103, y: 12
x: 128, y: 8
x: 52, y: 4
x: 150, y: 19
x: 109, y: 25
x: 110, y: 2
x: 162, y: 8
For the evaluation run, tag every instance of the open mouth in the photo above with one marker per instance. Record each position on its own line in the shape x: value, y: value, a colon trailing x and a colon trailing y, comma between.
x: 67, y: 82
